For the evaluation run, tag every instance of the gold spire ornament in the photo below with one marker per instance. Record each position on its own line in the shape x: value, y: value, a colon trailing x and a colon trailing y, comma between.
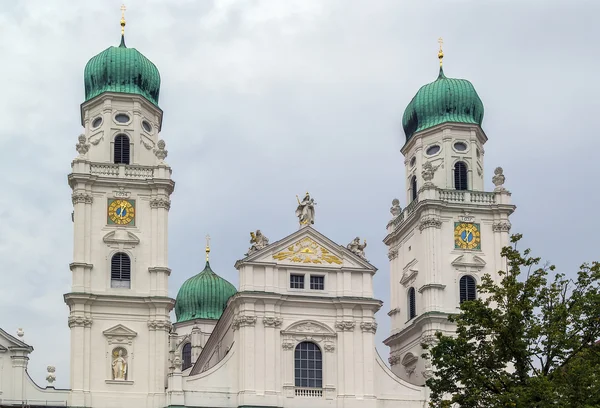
x: 207, y: 249
x: 440, y: 52
x: 123, y: 8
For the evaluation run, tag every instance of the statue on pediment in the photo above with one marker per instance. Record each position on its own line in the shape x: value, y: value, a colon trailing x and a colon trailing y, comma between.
x: 257, y: 241
x: 357, y: 248
x: 306, y: 210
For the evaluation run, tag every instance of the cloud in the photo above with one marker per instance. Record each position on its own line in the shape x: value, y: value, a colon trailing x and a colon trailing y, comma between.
x: 264, y: 100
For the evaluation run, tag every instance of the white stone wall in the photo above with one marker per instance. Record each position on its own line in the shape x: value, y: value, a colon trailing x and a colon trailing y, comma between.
x: 422, y: 249
x: 105, y: 318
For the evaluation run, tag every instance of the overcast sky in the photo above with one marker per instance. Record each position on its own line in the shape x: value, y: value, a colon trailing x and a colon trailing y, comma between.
x: 266, y: 99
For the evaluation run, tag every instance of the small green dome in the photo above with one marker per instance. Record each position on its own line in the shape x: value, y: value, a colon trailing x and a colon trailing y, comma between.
x: 203, y: 296
x: 124, y: 70
x: 442, y: 101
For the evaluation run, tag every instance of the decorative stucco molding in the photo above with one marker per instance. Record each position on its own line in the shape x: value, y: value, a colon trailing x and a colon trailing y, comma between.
x: 392, y: 253
x: 394, y: 311
x: 410, y: 363
x: 82, y: 147
x: 81, y: 197
x: 287, y: 345
x: 429, y: 222
x: 370, y: 327
x: 394, y: 358
x: 159, y: 325
x: 243, y: 320
x: 160, y: 202
x: 329, y: 347
x: 119, y: 334
x: 502, y: 226
x: 272, y: 321
x: 345, y: 325
x: 79, y: 321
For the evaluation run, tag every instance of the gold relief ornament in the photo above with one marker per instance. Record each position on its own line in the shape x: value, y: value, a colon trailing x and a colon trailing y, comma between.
x: 307, y: 251
x: 121, y: 212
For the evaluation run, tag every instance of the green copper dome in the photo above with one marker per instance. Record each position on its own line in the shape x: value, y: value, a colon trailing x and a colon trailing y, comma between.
x: 203, y: 296
x: 124, y: 70
x: 442, y: 101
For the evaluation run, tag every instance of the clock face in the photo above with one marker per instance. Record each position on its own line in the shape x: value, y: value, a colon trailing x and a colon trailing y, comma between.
x: 121, y: 212
x: 467, y: 235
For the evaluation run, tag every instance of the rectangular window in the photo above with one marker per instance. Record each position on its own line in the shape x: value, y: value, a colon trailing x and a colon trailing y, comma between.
x: 317, y: 282
x: 297, y: 281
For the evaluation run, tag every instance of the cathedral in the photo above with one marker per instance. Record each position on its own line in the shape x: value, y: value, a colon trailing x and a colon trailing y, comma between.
x: 300, y: 328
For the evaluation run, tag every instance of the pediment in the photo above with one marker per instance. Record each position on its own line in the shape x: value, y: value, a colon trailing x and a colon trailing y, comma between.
x: 308, y: 326
x: 469, y: 260
x: 8, y: 342
x: 121, y: 238
x: 308, y: 247
x: 120, y: 331
x: 409, y: 272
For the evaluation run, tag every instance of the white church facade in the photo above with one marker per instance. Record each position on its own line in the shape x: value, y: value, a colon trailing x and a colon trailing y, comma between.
x: 300, y: 328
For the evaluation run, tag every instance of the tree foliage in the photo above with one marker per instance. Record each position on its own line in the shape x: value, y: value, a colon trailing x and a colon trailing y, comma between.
x: 529, y: 340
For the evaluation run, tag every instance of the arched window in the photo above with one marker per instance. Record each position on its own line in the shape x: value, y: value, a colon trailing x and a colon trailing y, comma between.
x: 122, y: 149
x: 412, y: 304
x: 186, y: 356
x: 120, y: 271
x: 468, y: 288
x: 460, y: 176
x: 308, y: 365
x: 413, y: 187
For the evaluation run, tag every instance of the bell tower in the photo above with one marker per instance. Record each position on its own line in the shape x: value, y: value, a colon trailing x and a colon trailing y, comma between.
x: 452, y: 231
x: 119, y: 304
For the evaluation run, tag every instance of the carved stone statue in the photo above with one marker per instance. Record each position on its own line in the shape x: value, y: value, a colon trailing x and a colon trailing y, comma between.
x: 82, y: 147
x: 160, y: 151
x: 306, y: 210
x: 119, y: 366
x: 428, y: 172
x: 396, y: 209
x: 357, y: 248
x: 257, y: 241
x: 498, y: 179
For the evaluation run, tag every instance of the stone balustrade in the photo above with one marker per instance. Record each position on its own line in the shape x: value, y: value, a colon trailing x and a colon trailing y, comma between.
x: 122, y: 171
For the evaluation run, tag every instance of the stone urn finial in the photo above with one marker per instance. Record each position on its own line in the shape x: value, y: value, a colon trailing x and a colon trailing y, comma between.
x: 499, y: 179
x: 20, y: 332
x: 51, y: 377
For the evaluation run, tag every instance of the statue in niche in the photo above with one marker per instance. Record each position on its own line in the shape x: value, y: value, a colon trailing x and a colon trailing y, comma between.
x: 257, y: 241
x: 119, y: 365
x: 396, y: 209
x: 306, y: 210
x: 357, y: 248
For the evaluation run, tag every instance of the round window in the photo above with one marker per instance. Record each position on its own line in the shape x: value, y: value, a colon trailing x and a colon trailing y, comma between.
x: 96, y: 122
x: 431, y: 150
x: 460, y: 146
x: 122, y: 118
x: 413, y: 161
x: 147, y: 126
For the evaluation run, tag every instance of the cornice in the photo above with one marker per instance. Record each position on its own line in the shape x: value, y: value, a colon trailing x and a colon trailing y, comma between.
x: 89, y: 179
x: 415, y: 325
x: 132, y: 98
x: 82, y: 297
x: 83, y: 265
x: 273, y: 297
x: 159, y: 269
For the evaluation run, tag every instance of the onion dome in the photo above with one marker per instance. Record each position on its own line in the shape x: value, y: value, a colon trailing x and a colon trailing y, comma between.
x: 442, y: 101
x: 203, y: 296
x: 123, y: 70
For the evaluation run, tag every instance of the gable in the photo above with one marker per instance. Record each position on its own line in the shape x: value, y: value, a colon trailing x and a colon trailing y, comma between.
x: 308, y: 247
x: 8, y: 342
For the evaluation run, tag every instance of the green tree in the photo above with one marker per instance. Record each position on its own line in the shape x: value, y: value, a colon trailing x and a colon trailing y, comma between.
x: 528, y: 341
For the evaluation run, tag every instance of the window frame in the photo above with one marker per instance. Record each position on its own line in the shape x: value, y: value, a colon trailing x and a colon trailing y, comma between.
x: 314, y: 381
x: 121, y: 278
x: 455, y: 172
x: 186, y: 364
x: 470, y: 292
x: 302, y: 278
x: 120, y: 136
x: 322, y: 283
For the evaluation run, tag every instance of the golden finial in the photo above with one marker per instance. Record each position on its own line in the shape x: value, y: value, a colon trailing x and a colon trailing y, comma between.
x: 207, y: 249
x: 440, y: 52
x: 123, y: 8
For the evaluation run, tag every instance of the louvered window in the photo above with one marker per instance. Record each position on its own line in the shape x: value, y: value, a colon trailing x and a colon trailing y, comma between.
x: 412, y: 304
x: 308, y: 365
x: 122, y: 149
x: 460, y: 176
x: 186, y: 356
x: 413, y: 187
x: 468, y: 288
x: 120, y: 271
